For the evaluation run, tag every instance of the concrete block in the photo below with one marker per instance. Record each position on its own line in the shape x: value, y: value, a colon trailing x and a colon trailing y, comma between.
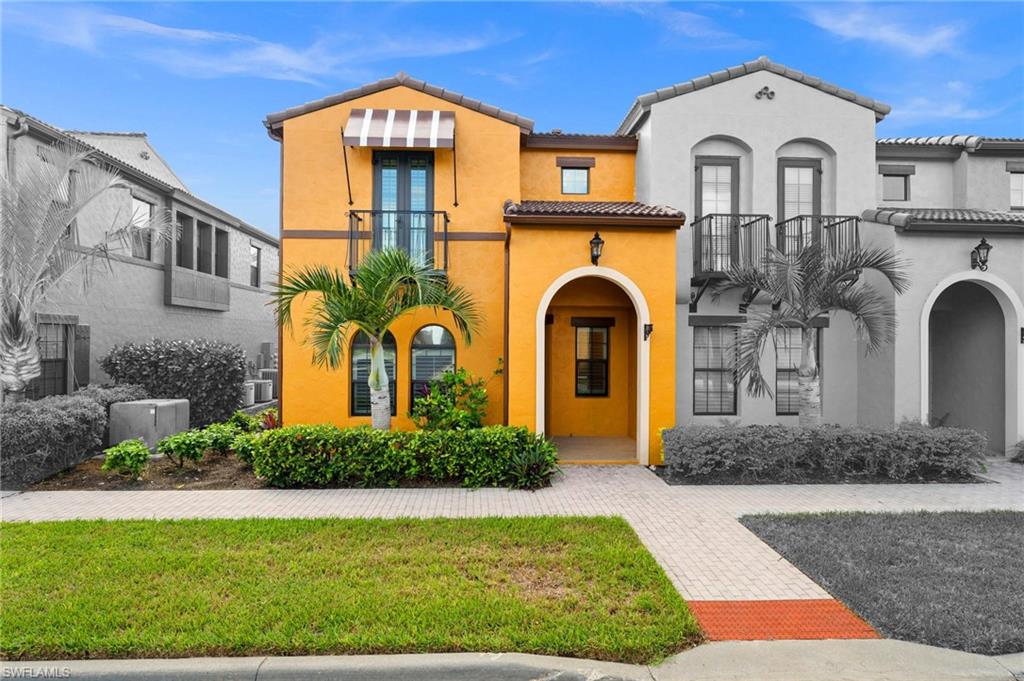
x: 151, y: 420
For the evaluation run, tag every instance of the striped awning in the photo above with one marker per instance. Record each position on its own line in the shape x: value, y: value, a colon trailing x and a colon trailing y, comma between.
x: 407, y: 128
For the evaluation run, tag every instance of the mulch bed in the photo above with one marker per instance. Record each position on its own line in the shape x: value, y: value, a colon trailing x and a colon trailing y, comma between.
x: 951, y: 579
x: 213, y: 472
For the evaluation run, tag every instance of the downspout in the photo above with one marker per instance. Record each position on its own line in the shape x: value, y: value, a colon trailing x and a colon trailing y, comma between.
x: 505, y: 373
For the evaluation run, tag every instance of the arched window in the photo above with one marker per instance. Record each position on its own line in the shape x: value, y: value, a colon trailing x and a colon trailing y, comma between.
x: 361, y: 372
x: 433, y: 353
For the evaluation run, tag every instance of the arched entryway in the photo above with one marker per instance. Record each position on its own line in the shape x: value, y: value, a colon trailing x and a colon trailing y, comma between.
x: 967, y: 365
x: 591, y: 368
x: 971, y: 359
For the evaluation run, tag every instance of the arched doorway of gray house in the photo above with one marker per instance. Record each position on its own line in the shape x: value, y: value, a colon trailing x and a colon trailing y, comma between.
x: 967, y: 362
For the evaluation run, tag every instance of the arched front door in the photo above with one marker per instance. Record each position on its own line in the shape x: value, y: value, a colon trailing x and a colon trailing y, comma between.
x: 967, y: 362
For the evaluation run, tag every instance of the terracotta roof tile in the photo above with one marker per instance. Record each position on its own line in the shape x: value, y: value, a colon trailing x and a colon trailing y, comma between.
x: 591, y: 209
x: 969, y: 142
x: 904, y: 217
x: 274, y: 120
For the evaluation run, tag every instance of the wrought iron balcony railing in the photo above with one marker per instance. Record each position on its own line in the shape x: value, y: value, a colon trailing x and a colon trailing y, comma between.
x: 423, y: 234
x: 832, y: 233
x: 722, y: 241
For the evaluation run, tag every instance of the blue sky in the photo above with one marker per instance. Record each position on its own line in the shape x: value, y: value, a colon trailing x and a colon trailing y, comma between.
x: 200, y: 77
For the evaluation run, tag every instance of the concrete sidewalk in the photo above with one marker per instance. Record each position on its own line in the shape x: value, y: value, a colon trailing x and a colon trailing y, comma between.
x: 732, y: 661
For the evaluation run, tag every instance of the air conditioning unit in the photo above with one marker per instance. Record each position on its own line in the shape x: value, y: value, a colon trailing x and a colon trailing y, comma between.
x: 264, y: 390
x: 248, y: 393
x: 270, y: 375
x: 150, y: 420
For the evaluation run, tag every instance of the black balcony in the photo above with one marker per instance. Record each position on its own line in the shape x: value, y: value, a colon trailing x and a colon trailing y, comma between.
x: 423, y: 234
x: 722, y: 241
x: 832, y: 233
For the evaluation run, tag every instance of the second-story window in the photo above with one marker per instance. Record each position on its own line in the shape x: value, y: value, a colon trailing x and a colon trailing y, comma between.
x: 403, y: 202
x: 255, y: 257
x: 142, y: 240
x: 895, y: 187
x: 575, y: 180
x: 1017, y: 190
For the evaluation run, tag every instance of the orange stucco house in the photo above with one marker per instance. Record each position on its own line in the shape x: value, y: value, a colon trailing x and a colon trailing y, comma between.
x: 587, y: 344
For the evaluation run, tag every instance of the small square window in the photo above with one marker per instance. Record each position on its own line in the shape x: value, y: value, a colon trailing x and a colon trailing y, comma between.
x: 1017, y: 191
x: 575, y: 180
x: 895, y: 187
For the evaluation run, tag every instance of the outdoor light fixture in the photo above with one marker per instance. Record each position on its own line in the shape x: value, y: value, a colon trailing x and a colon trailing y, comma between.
x: 979, y: 256
x: 597, y: 245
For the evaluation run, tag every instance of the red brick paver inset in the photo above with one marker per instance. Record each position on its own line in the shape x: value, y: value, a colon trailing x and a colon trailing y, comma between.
x: 779, y: 620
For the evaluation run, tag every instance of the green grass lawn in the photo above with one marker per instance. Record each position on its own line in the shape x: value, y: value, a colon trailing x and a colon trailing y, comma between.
x: 582, y: 587
x: 946, y: 579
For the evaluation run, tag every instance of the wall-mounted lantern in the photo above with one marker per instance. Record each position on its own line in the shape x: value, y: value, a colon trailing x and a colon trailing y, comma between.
x: 596, y: 246
x: 979, y: 256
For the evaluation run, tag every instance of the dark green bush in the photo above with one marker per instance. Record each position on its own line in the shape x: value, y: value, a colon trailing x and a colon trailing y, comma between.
x: 1018, y: 456
x: 188, y: 445
x: 41, y: 437
x: 245, y: 423
x: 128, y: 458
x: 823, y: 453
x: 323, y: 455
x: 106, y: 395
x: 210, y: 374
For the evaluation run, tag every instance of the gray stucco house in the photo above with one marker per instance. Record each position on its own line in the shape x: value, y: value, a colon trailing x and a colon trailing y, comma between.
x: 210, y: 281
x: 761, y: 153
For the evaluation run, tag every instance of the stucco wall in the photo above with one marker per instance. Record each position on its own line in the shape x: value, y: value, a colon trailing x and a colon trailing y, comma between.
x: 938, y: 258
x: 315, y: 198
x: 611, y: 178
x: 799, y: 121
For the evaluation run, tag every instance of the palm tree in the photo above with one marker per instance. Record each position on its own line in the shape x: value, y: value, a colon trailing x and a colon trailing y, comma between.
x: 39, y: 251
x: 388, y: 284
x: 805, y: 286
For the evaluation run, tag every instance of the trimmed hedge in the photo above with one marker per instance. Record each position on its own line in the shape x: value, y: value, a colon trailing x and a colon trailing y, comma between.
x: 326, y: 456
x: 41, y: 437
x: 826, y: 453
x: 210, y: 374
x: 106, y: 395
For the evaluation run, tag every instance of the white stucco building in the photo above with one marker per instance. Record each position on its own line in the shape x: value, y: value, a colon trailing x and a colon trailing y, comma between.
x: 761, y: 153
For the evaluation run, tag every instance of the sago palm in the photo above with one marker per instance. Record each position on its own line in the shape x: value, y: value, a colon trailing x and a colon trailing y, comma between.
x: 805, y: 286
x: 39, y: 252
x: 388, y: 284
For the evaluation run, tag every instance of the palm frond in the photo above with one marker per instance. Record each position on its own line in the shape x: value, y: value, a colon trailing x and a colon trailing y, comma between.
x: 753, y: 335
x: 874, y: 317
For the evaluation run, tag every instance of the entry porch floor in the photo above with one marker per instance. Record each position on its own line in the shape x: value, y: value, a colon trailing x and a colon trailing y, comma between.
x: 595, y: 450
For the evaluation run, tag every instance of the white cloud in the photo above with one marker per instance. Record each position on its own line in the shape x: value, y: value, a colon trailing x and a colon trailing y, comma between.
x: 700, y: 30
x: 880, y: 26
x: 951, y: 101
x: 199, y: 53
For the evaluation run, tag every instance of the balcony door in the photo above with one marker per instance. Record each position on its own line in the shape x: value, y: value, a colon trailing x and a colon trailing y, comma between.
x: 799, y: 185
x: 403, y: 201
x: 717, y: 198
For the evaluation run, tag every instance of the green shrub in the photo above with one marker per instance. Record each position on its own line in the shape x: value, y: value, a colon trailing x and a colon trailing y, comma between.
x: 244, y: 445
x: 210, y: 374
x: 188, y: 445
x: 533, y: 466
x: 245, y: 423
x: 127, y: 458
x: 220, y: 437
x: 324, y: 455
x: 822, y: 453
x: 41, y: 437
x: 455, y: 401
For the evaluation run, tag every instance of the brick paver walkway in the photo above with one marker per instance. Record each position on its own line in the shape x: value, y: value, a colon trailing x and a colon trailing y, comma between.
x: 692, y: 531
